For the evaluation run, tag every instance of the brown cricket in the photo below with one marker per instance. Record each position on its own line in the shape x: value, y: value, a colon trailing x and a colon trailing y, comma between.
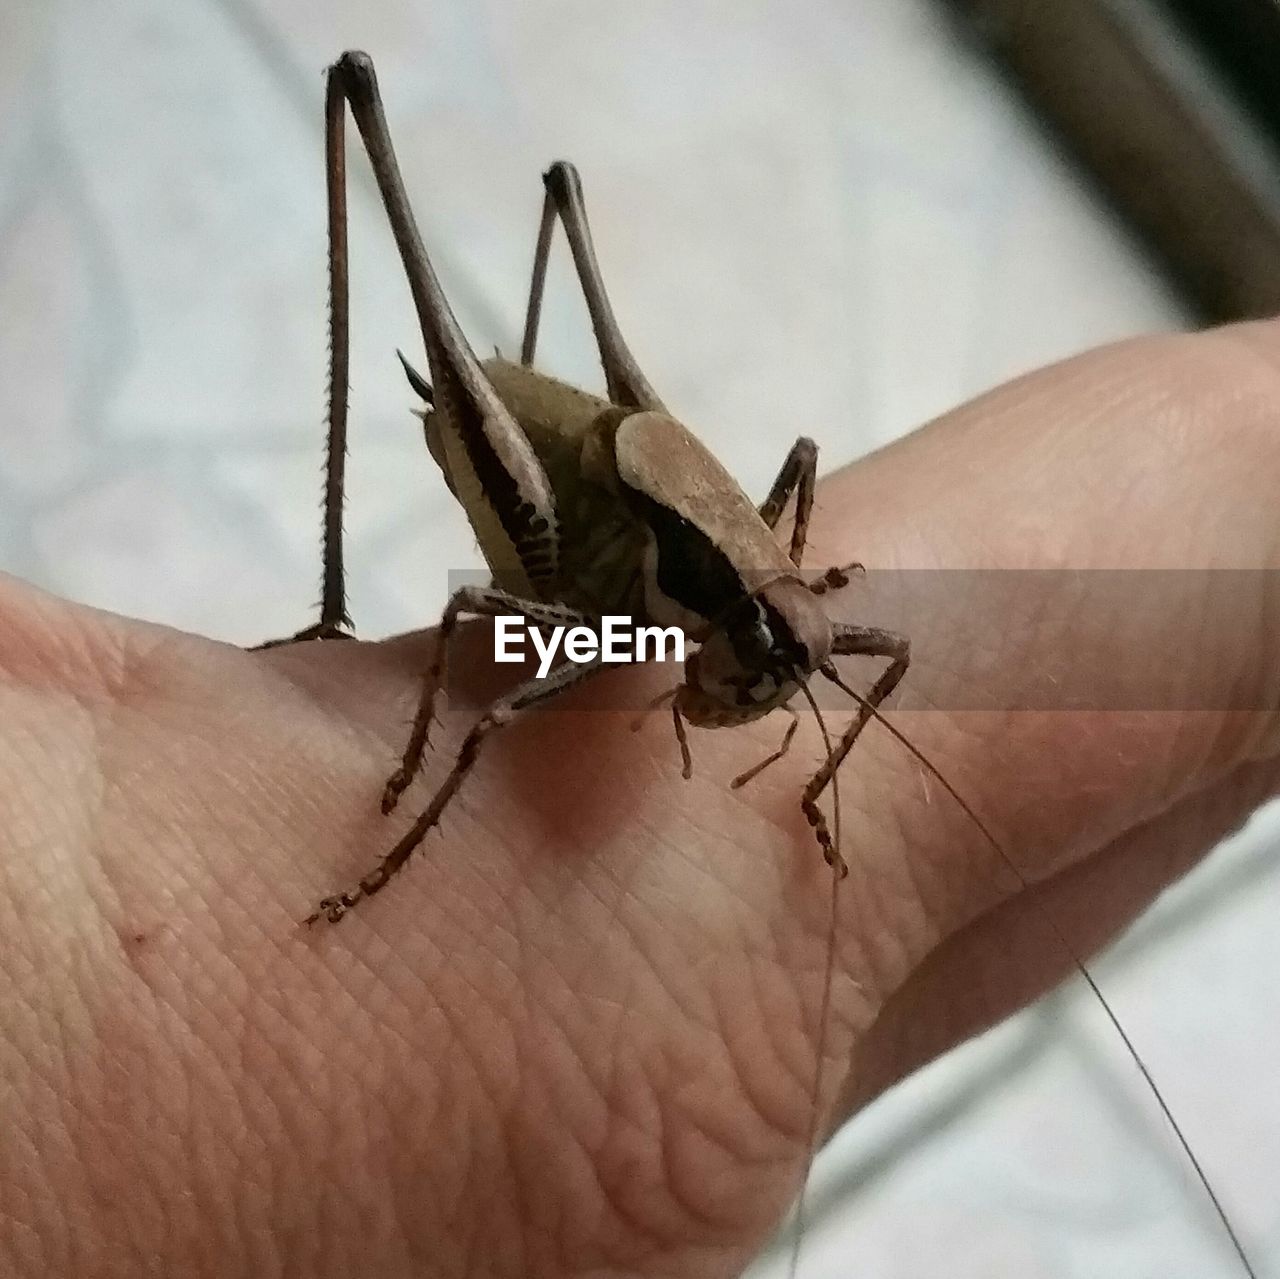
x: 585, y: 507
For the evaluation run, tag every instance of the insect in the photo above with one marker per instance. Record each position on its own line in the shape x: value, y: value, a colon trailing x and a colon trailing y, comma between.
x: 585, y: 506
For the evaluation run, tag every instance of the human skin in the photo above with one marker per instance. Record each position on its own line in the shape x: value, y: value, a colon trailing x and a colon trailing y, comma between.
x: 578, y: 1034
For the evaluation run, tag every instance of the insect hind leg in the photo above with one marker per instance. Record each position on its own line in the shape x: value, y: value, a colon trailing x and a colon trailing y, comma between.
x: 333, y: 602
x: 626, y: 384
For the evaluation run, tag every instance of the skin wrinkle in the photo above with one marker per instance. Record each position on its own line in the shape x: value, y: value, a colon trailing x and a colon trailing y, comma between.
x: 965, y: 881
x: 615, y: 907
x: 87, y: 1151
x: 19, y: 1208
x: 359, y: 1064
x: 433, y: 1199
x: 43, y: 1095
x: 882, y: 885
x: 457, y: 1022
x: 772, y: 1063
x: 646, y: 950
x: 623, y: 1127
x: 1258, y: 782
x: 794, y: 1130
x: 69, y: 1058
x: 734, y: 1150
x: 549, y: 1222
x: 481, y: 996
x: 559, y: 1023
x: 774, y: 1135
x: 554, y: 1096
x: 627, y: 1129
x: 656, y: 1083
x: 689, y: 1209
x: 48, y: 646
x: 632, y: 1212
x: 189, y: 1138
x: 267, y: 1117
x: 918, y: 927
x: 108, y: 1160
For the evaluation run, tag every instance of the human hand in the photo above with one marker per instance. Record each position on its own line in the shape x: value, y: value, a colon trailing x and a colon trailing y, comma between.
x: 578, y: 1034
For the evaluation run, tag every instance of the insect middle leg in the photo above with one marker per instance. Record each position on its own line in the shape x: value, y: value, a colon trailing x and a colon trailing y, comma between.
x: 868, y: 641
x: 478, y: 601
x: 499, y: 714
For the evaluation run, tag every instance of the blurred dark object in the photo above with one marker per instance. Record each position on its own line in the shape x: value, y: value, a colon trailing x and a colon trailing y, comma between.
x: 1242, y: 39
x: 1190, y: 156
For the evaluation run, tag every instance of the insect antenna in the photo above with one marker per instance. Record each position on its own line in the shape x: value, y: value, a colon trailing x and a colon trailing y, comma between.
x: 824, y: 1008
x: 1201, y: 1176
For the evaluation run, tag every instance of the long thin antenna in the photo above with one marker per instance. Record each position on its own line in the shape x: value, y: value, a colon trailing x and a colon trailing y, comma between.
x: 1080, y: 967
x: 824, y: 1010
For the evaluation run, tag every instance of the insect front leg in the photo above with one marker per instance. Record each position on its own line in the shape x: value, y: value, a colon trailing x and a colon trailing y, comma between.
x: 798, y: 475
x: 868, y: 641
x: 479, y: 601
x: 499, y: 714
x: 627, y: 385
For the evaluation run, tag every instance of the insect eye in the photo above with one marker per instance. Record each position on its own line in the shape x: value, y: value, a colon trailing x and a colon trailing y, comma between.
x: 752, y: 643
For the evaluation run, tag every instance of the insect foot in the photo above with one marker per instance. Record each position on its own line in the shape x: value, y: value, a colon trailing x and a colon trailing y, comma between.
x: 320, y: 631
x: 819, y: 823
x: 333, y: 908
x: 836, y: 579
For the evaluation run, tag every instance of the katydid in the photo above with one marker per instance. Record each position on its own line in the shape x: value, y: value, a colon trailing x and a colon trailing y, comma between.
x: 584, y: 506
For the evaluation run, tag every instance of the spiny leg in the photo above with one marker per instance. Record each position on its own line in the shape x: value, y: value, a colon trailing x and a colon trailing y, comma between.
x: 482, y: 601
x: 743, y: 778
x: 486, y: 446
x: 333, y: 596
x: 499, y: 714
x: 798, y: 475
x: 627, y: 385
x: 868, y: 641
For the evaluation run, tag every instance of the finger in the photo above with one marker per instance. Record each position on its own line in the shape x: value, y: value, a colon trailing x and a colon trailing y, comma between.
x: 1013, y: 953
x: 1125, y: 457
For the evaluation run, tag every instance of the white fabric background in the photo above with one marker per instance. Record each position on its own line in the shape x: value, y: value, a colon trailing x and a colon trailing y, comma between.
x: 829, y: 217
